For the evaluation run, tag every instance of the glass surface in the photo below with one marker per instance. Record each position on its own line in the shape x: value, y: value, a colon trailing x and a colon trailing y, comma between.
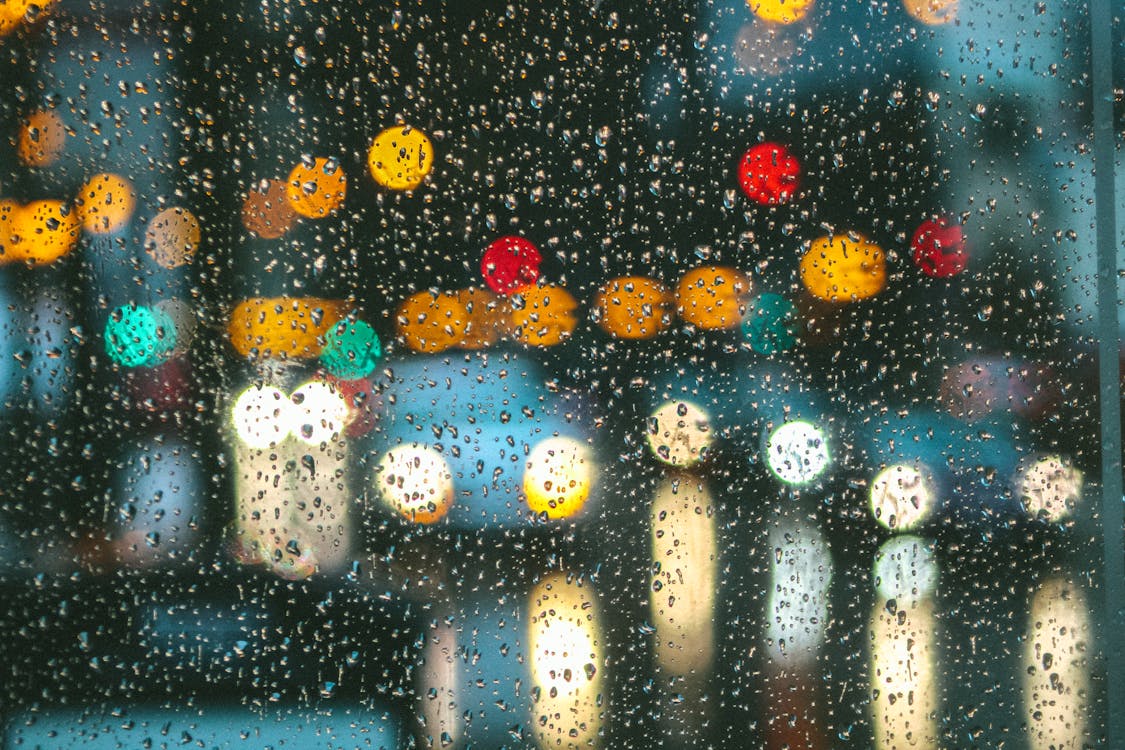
x: 554, y: 375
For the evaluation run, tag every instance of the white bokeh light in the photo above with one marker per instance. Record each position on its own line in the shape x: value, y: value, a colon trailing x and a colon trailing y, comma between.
x: 901, y: 497
x: 261, y: 416
x: 416, y: 481
x: 679, y: 433
x: 905, y: 568
x: 1049, y: 487
x: 319, y: 413
x: 797, y: 452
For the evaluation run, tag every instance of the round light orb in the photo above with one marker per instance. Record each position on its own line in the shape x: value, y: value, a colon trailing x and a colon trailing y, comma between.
x: 844, y: 267
x: 770, y: 325
x: 797, y: 452
x: 901, y: 497
x: 1049, y: 488
x: 558, y: 477
x: 905, y: 568
x: 351, y: 349
x: 316, y: 189
x: 319, y: 413
x: 266, y: 211
x: 769, y: 174
x: 416, y: 482
x: 139, y: 336
x: 679, y: 433
x: 172, y: 237
x: 780, y: 11
x: 106, y: 203
x: 510, y: 264
x: 932, y: 12
x: 40, y: 139
x: 261, y: 416
x: 400, y: 157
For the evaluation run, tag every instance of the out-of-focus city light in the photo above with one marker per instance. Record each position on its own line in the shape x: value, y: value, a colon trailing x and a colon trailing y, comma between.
x: 712, y: 297
x: 283, y: 327
x: 797, y: 452
x: 510, y: 264
x: 172, y: 237
x: 37, y: 233
x: 904, y: 690
x: 905, y: 568
x: 351, y: 349
x: 633, y: 307
x: 770, y: 324
x: 685, y: 579
x: 106, y: 203
x: 261, y: 416
x: 1056, y: 678
x: 416, y: 482
x: 558, y: 477
x: 319, y: 413
x: 797, y: 605
x: 266, y: 211
x: 780, y: 11
x: 15, y: 12
x: 1048, y: 487
x: 768, y: 173
x: 932, y: 12
x: 542, y: 315
x: 901, y: 497
x: 434, y: 322
x: 567, y: 662
x: 139, y: 336
x: 41, y: 137
x: 939, y: 248
x: 315, y: 190
x: 679, y: 433
x: 400, y: 157
x: 844, y: 267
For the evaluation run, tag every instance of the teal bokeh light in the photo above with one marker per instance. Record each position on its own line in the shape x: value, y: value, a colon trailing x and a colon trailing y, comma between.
x: 139, y: 336
x: 771, y: 324
x: 351, y: 349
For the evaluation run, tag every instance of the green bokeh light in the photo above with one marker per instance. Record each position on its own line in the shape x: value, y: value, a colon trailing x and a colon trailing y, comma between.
x: 351, y: 349
x: 139, y: 336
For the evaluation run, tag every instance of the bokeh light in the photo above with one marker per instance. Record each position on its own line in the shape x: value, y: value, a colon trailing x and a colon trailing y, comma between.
x: 932, y: 12
x: 38, y: 233
x: 633, y: 307
x: 797, y: 452
x: 266, y: 211
x: 106, y: 203
x: 558, y: 477
x: 844, y: 267
x: 906, y: 568
x: 319, y: 413
x: 903, y: 679
x: 400, y: 157
x: 41, y: 137
x: 139, y: 336
x: 901, y: 497
x: 780, y: 11
x: 769, y: 174
x: 434, y: 322
x: 770, y: 324
x: 797, y: 606
x: 679, y: 433
x: 316, y: 187
x: 416, y: 482
x: 1048, y: 487
x: 510, y: 264
x: 283, y: 327
x: 15, y: 12
x: 351, y: 349
x: 542, y: 315
x: 1056, y: 675
x: 939, y: 248
x: 172, y: 237
x: 712, y: 297
x: 261, y: 416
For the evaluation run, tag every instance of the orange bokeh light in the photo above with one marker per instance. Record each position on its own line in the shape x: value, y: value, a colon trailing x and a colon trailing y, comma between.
x: 266, y: 211
x: 40, y: 139
x: 283, y: 327
x: 713, y: 297
x: 545, y: 315
x: 633, y: 307
x: 37, y: 233
x: 318, y: 190
x: 106, y: 203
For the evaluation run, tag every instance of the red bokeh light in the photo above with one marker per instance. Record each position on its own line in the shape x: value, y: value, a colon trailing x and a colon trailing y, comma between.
x: 510, y: 264
x: 939, y: 248
x: 769, y: 174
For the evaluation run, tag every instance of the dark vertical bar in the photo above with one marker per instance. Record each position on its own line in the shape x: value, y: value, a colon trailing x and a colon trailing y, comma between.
x: 1109, y: 394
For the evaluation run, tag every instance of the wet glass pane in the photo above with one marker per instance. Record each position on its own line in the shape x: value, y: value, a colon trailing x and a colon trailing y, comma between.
x: 601, y: 374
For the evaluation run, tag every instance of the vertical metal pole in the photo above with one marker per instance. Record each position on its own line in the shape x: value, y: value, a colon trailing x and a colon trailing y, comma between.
x: 1109, y: 386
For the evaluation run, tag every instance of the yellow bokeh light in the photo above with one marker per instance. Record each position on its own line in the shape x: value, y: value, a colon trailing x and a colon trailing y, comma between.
x: 558, y: 477
x: 543, y: 315
x: 400, y: 158
x: 38, y: 233
x: 40, y: 139
x: 416, y: 482
x: 844, y: 267
x: 15, y: 12
x: 433, y: 322
x: 780, y: 11
x: 106, y: 203
x: 317, y: 190
x: 713, y: 297
x: 282, y: 327
x: 901, y: 497
x: 261, y: 416
x: 679, y: 433
x: 1049, y: 487
x: 633, y: 307
x: 172, y: 237
x: 932, y: 12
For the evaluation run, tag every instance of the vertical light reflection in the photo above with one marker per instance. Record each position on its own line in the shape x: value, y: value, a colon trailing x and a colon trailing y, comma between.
x: 565, y: 641
x: 439, y: 677
x: 1056, y: 680
x: 903, y: 644
x: 796, y: 613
